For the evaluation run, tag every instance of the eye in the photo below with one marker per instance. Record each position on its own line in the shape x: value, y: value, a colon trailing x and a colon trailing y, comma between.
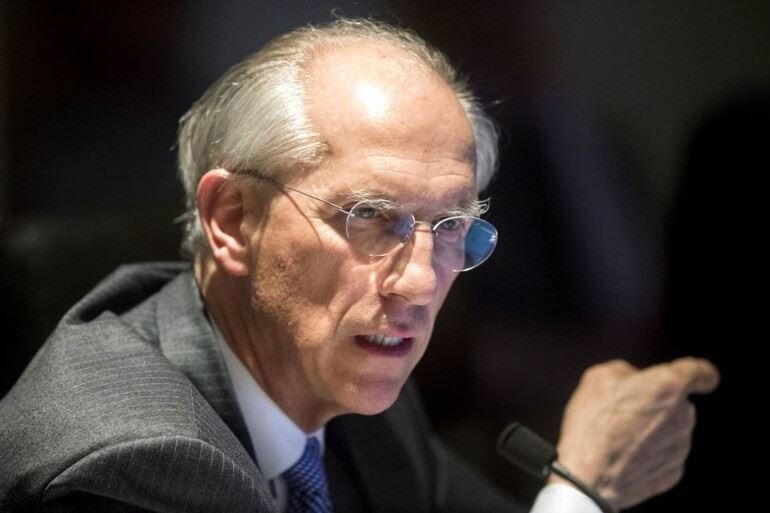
x: 374, y: 211
x: 366, y: 211
x: 448, y: 225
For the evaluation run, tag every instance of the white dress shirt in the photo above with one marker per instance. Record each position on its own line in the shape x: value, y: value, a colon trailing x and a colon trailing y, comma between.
x: 278, y: 442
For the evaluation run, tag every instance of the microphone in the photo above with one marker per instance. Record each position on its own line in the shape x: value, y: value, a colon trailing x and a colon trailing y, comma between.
x: 537, y: 457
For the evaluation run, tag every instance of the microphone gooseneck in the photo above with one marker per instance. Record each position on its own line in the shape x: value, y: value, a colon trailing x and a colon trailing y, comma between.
x: 537, y: 457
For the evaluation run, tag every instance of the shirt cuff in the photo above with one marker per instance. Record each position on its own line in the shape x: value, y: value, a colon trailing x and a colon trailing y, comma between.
x: 562, y: 498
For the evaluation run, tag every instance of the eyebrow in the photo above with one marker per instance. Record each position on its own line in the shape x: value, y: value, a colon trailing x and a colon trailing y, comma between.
x: 475, y: 208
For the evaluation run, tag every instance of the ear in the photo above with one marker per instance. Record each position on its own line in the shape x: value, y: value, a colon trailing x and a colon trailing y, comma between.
x: 220, y: 207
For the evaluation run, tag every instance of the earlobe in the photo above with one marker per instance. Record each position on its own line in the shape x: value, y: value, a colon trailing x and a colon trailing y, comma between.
x: 220, y: 207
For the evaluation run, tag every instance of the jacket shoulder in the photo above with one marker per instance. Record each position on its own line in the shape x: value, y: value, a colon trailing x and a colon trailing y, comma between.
x: 100, y: 381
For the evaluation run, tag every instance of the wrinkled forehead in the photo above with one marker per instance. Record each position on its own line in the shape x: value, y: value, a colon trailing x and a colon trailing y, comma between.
x: 414, y: 184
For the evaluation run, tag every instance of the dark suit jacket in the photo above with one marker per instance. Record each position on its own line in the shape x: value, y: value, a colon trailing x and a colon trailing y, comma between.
x: 128, y: 407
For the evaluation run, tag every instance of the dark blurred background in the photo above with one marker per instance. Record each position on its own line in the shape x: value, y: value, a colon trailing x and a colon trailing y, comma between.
x: 635, y: 136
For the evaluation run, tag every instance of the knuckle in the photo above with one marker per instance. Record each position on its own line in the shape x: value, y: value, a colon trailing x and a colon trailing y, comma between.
x: 619, y: 364
x: 668, y: 480
x: 679, y: 449
x: 592, y: 373
x: 676, y: 476
x: 612, y: 368
x: 687, y: 446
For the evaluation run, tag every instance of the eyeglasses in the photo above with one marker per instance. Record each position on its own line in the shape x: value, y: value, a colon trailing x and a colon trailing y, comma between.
x: 378, y: 228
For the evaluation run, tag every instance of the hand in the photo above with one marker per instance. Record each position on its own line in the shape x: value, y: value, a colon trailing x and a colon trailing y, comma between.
x: 626, y: 432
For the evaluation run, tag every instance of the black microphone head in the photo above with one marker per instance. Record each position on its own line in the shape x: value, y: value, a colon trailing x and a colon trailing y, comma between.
x: 527, y: 450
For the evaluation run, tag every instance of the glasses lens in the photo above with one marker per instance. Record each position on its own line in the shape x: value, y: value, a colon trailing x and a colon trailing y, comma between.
x: 463, y: 243
x: 460, y: 243
x: 377, y: 229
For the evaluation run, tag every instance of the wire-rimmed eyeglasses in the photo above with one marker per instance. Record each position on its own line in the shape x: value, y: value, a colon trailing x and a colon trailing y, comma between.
x: 378, y: 228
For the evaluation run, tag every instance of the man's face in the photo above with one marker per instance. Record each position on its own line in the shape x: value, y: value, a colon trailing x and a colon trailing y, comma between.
x: 321, y: 308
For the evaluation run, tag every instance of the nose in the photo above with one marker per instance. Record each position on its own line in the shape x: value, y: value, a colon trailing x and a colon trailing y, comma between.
x: 409, y: 272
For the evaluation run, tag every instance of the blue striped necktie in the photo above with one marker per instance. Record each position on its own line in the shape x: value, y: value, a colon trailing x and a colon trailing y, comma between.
x: 306, y: 479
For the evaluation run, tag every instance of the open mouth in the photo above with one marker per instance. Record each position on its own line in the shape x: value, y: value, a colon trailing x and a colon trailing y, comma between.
x: 384, y: 345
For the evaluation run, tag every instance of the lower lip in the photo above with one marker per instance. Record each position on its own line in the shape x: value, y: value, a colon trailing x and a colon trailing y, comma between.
x: 395, y: 351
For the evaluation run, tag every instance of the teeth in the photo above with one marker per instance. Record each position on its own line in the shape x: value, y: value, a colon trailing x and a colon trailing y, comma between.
x: 382, y: 340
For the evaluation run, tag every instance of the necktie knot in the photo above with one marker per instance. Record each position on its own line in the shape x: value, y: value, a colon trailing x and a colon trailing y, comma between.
x: 306, y: 480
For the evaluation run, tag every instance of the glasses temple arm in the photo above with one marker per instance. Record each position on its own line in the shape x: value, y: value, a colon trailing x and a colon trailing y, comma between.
x: 308, y: 195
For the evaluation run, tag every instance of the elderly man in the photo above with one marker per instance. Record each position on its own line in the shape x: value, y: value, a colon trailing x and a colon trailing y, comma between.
x: 332, y: 183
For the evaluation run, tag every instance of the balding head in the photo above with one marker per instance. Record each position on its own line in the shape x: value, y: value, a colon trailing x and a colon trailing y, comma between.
x: 367, y: 91
x: 255, y: 120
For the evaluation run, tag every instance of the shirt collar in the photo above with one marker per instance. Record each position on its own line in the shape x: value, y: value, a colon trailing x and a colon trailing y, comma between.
x: 278, y: 442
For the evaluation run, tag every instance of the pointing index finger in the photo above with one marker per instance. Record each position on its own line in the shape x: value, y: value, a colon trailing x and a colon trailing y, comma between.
x: 700, y: 376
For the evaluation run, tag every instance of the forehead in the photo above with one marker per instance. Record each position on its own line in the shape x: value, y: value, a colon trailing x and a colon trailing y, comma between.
x: 390, y: 125
x: 409, y: 182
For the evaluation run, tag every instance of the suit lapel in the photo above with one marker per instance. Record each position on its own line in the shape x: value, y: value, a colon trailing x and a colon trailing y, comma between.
x: 187, y: 340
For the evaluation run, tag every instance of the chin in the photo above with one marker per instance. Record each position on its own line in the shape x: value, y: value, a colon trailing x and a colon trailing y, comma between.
x: 373, y: 397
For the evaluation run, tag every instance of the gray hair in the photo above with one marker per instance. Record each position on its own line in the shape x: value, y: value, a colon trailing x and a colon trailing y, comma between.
x: 254, y: 117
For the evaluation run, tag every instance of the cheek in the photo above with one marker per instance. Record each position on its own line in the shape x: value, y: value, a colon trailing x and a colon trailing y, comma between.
x: 445, y: 280
x: 304, y: 287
